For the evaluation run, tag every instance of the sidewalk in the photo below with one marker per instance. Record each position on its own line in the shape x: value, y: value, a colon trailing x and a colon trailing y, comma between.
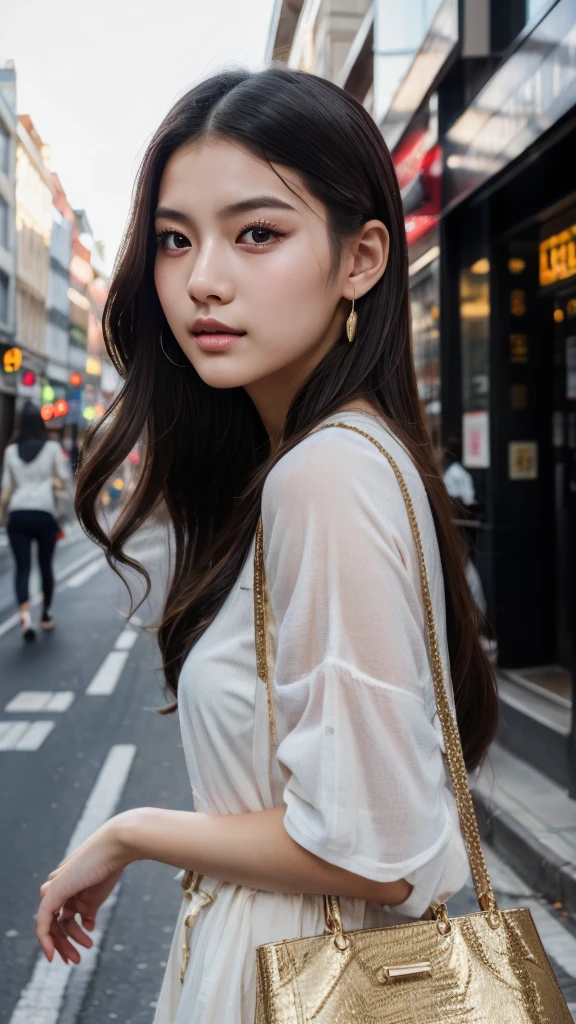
x: 531, y: 822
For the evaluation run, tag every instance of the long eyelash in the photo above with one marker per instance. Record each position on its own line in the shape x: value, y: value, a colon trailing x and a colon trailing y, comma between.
x: 159, y: 235
x: 262, y: 223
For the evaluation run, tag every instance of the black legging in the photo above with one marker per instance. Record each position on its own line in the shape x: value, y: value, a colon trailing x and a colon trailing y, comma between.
x: 23, y: 528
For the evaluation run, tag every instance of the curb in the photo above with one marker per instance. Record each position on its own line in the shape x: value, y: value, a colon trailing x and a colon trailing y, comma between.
x: 535, y: 862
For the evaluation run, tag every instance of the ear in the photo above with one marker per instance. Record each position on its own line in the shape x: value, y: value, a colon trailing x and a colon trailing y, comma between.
x: 368, y: 259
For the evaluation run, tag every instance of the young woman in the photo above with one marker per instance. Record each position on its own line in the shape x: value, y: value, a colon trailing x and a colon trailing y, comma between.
x: 266, y: 207
x: 31, y: 463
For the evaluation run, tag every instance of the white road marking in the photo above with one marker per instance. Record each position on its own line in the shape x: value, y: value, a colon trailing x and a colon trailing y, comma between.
x: 61, y: 701
x: 105, y: 795
x: 107, y: 676
x: 67, y: 570
x: 81, y: 974
x: 10, y: 734
x: 41, y: 700
x: 42, y: 998
x: 24, y: 735
x: 35, y: 735
x: 126, y: 640
x: 85, y: 574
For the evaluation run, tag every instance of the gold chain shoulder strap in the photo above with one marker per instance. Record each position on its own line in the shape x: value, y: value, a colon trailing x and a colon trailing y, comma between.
x: 454, y: 755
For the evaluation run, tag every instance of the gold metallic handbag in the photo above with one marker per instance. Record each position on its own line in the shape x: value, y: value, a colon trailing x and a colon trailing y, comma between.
x: 484, y: 968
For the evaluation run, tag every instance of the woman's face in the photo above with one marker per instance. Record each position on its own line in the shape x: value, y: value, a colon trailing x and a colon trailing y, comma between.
x: 237, y: 245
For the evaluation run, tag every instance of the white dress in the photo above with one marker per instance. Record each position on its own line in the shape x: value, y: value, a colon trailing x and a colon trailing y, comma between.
x: 359, y: 758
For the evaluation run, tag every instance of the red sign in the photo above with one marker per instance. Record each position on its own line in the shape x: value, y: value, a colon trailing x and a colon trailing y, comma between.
x: 75, y: 379
x: 47, y: 411
x: 419, y: 172
x: 28, y: 378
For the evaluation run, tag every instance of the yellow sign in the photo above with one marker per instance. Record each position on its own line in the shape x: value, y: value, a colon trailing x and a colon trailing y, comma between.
x: 12, y: 360
x: 558, y: 257
x: 522, y: 460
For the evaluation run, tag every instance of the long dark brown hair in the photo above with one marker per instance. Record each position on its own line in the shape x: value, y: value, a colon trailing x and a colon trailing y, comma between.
x: 206, y: 453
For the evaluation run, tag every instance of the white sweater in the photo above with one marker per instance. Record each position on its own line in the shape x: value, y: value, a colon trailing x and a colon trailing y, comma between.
x: 33, y: 481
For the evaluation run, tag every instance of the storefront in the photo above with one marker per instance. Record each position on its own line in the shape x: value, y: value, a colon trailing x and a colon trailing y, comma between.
x: 508, y: 336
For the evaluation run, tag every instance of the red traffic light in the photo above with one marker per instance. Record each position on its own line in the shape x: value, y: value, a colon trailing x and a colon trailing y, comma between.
x: 75, y: 379
x: 28, y: 378
x: 60, y: 407
x: 47, y: 411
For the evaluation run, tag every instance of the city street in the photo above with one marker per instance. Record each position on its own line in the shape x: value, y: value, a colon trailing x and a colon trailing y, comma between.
x: 79, y: 740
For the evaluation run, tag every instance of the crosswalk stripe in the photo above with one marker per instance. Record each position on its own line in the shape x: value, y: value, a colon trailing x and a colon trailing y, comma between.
x: 24, y: 735
x: 42, y: 998
x: 10, y: 735
x: 35, y: 735
x: 105, y: 681
x: 41, y: 700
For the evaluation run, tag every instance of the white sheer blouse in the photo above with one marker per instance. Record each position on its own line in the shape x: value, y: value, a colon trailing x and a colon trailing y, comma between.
x: 360, y: 743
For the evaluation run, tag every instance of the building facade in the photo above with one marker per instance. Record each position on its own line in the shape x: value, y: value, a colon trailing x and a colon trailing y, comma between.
x: 8, y: 143
x: 33, y: 236
x: 476, y: 100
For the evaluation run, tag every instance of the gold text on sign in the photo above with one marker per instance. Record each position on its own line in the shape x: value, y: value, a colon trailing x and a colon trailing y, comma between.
x: 558, y: 257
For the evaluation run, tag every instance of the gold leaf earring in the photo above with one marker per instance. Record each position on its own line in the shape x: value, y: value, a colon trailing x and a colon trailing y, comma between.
x: 351, y: 324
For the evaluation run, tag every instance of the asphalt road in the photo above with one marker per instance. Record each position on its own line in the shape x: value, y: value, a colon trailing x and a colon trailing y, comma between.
x: 96, y: 680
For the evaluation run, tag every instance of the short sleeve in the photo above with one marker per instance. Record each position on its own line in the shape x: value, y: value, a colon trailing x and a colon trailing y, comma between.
x: 365, y: 780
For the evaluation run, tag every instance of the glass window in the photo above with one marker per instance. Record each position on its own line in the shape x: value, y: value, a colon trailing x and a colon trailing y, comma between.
x: 4, y: 149
x: 3, y: 223
x: 3, y: 297
x: 425, y: 301
x: 475, y: 335
x: 533, y: 7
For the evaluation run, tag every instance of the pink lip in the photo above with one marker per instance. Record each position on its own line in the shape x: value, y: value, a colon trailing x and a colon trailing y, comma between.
x: 216, y: 342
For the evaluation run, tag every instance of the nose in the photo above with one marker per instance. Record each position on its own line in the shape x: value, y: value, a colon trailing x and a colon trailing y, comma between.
x: 209, y: 280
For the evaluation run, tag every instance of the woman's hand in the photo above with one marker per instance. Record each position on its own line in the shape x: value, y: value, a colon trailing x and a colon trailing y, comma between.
x: 79, y: 886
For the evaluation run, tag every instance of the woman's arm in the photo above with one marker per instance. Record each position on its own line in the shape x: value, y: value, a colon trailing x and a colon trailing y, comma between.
x: 250, y: 849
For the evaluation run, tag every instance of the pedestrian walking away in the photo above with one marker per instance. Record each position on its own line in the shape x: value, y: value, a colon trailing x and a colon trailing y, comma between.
x: 33, y: 467
x: 319, y: 639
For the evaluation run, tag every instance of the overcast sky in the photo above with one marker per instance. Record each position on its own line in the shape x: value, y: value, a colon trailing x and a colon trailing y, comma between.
x: 98, y: 78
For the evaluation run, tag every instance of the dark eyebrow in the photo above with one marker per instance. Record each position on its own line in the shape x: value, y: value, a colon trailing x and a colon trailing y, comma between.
x: 256, y: 203
x: 168, y: 214
x: 244, y: 206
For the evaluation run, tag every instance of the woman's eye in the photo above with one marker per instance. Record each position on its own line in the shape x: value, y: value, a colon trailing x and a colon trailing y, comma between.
x: 171, y: 241
x: 260, y: 235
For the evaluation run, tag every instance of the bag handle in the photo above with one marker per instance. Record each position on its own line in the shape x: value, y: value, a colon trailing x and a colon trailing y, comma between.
x: 454, y: 755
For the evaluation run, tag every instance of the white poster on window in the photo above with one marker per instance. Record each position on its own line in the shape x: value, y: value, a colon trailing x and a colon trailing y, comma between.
x: 476, y: 440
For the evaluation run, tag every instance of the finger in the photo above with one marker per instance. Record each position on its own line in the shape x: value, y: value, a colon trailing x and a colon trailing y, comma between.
x: 73, y: 929
x: 77, y: 907
x: 63, y: 944
x: 44, y: 920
